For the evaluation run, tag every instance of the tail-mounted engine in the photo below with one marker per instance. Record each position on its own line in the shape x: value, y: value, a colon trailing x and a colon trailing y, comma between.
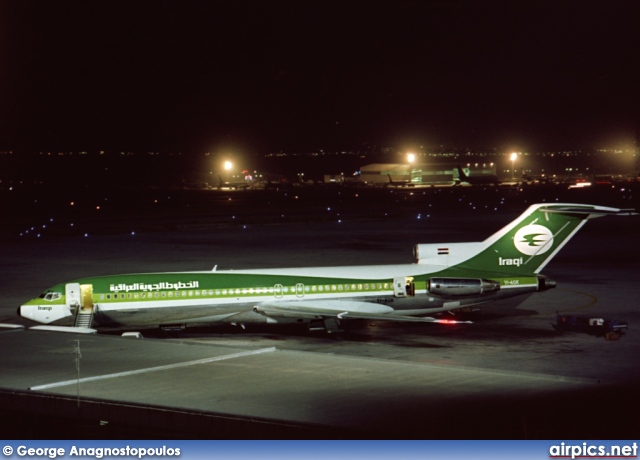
x: 459, y: 287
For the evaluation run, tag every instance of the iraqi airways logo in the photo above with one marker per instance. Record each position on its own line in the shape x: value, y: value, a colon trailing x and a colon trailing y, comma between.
x: 533, y: 240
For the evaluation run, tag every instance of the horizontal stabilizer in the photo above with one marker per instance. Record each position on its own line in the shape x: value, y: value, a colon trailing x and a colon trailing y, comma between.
x: 594, y: 211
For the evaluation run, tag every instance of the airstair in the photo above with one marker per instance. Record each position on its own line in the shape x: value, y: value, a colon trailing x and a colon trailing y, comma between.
x: 84, y: 318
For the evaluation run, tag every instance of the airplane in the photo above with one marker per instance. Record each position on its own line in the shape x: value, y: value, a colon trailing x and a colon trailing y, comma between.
x: 279, y: 185
x: 233, y: 185
x: 445, y: 277
x: 483, y: 179
x: 399, y: 183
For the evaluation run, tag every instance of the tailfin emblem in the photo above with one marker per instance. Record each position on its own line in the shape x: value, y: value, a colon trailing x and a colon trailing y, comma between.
x: 533, y: 240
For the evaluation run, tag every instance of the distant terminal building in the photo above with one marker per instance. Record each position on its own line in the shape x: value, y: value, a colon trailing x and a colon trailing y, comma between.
x: 420, y: 174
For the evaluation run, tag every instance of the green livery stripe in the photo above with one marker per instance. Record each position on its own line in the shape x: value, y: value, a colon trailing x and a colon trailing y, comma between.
x: 196, y: 285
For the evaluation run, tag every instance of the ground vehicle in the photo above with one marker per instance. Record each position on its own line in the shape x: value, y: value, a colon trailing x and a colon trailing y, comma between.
x: 593, y: 325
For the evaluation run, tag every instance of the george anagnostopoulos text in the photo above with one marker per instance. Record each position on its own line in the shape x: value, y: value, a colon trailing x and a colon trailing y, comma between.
x: 98, y: 452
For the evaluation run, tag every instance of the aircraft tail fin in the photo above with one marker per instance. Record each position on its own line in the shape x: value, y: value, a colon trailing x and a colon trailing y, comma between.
x: 526, y: 245
x: 461, y: 175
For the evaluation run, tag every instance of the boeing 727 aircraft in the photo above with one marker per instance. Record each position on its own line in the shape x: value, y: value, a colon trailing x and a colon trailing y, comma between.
x: 445, y: 277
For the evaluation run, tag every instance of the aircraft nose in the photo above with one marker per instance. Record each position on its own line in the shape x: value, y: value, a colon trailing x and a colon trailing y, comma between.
x: 26, y: 311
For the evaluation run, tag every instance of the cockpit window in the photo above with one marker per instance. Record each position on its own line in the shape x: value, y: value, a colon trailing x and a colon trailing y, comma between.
x: 50, y: 296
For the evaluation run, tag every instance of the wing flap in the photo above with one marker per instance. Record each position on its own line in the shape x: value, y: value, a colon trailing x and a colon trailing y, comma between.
x: 341, y: 309
x: 328, y: 307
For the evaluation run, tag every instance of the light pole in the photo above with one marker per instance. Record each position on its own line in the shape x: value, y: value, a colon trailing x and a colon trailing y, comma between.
x: 514, y: 155
x: 411, y: 158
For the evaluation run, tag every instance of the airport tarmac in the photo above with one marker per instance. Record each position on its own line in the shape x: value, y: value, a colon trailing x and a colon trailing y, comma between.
x: 507, y: 375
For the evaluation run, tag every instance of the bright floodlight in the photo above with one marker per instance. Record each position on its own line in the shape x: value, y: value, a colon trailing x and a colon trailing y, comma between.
x: 227, y: 165
x: 514, y: 155
x: 411, y: 157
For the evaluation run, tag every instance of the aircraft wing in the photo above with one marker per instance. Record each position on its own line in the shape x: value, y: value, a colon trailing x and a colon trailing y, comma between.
x: 340, y: 309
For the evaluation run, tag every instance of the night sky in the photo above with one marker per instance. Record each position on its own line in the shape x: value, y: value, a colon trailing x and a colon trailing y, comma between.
x: 302, y: 75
